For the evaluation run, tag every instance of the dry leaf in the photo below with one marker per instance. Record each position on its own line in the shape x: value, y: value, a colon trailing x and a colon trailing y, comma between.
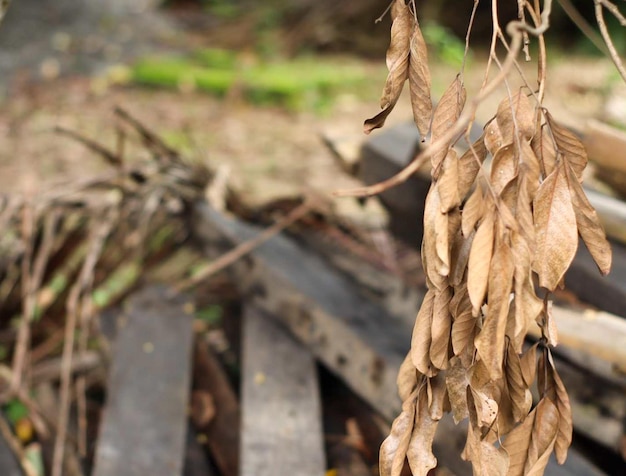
x: 569, y: 146
x: 545, y: 150
x: 589, y: 226
x: 420, y: 454
x: 516, y: 117
x: 469, y: 165
x: 490, y: 341
x: 441, y: 325
x: 472, y: 211
x: 566, y: 428
x: 492, y: 137
x: 448, y: 182
x: 528, y: 364
x: 542, y: 438
x: 518, y: 389
x: 480, y: 261
x: 421, y: 339
x: 394, y: 449
x: 460, y: 258
x: 407, y: 378
x: 456, y: 383
x: 503, y: 168
x: 397, y: 63
x: 437, y: 393
x: 445, y: 116
x: 555, y: 228
x: 419, y: 82
x: 435, y: 241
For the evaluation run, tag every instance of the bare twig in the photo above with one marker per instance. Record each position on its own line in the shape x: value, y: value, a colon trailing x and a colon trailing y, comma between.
x: 243, y: 249
x: 583, y: 25
x: 607, y: 36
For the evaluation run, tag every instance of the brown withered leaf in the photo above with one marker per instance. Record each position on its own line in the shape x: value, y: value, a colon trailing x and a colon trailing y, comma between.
x: 549, y: 326
x: 420, y: 453
x: 393, y: 450
x: 503, y: 168
x: 516, y: 445
x: 529, y: 169
x: 448, y: 182
x: 486, y: 408
x: 480, y: 262
x: 437, y: 393
x: 555, y: 227
x: 421, y: 339
x: 419, y: 82
x: 518, y: 389
x: 545, y: 150
x: 435, y: 241
x: 516, y: 117
x: 463, y: 330
x: 460, y: 258
x: 542, y: 438
x: 490, y: 342
x: 589, y: 226
x: 397, y: 62
x: 407, y: 378
x: 561, y: 399
x: 492, y: 137
x: 445, y: 116
x: 528, y: 364
x: 469, y: 165
x: 441, y: 324
x: 473, y: 210
x: 493, y: 461
x: 569, y: 145
x: 456, y: 383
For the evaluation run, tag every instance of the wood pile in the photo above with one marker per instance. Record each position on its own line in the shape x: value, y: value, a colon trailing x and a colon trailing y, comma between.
x: 152, y: 330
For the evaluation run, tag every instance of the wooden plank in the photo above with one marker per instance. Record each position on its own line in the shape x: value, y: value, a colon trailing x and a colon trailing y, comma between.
x: 144, y: 425
x: 357, y: 340
x: 281, y: 424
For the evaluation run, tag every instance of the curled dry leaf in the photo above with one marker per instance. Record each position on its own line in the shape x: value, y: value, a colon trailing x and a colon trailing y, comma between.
x: 435, y: 241
x: 521, y: 399
x: 437, y: 393
x: 407, y: 378
x: 419, y: 81
x: 445, y: 116
x: 456, y: 383
x: 448, y: 182
x: 469, y: 165
x: 503, y: 168
x: 516, y: 118
x: 561, y: 399
x: 421, y: 339
x: 480, y: 261
x: 397, y: 63
x: 555, y: 228
x: 420, y: 454
x: 492, y: 137
x: 569, y: 146
x: 528, y: 364
x: 472, y: 211
x: 490, y: 342
x: 545, y: 150
x: 394, y: 449
x: 589, y: 226
x: 441, y: 325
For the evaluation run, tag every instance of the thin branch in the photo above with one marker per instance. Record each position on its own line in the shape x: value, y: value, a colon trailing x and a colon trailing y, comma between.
x: 583, y: 25
x: 617, y: 61
x: 246, y: 247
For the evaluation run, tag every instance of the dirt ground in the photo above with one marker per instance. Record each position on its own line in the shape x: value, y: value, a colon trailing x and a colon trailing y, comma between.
x: 269, y: 151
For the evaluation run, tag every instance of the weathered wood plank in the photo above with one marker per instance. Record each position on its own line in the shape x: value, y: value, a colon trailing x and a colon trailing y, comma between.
x: 144, y: 425
x: 281, y: 424
x: 357, y: 340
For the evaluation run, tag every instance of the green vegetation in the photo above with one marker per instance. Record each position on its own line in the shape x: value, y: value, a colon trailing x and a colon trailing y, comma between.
x: 297, y: 84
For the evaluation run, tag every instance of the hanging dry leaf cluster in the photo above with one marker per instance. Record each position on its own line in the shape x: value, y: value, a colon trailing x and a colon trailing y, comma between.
x: 502, y: 222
